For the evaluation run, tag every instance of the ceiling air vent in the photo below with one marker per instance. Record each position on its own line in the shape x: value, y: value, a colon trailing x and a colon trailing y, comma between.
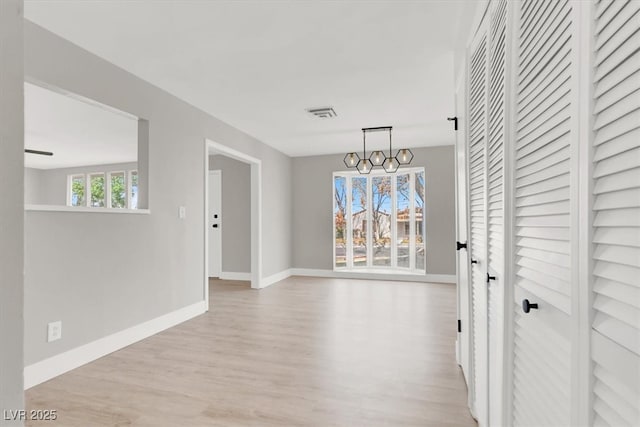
x: 322, y: 113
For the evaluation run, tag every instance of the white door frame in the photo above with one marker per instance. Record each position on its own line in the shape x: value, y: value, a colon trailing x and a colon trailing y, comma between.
x: 211, y: 147
x: 218, y: 252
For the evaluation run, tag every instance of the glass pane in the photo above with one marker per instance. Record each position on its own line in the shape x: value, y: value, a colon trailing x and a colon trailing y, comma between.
x: 420, y: 248
x: 97, y: 190
x: 359, y: 220
x: 118, y: 190
x: 339, y: 211
x: 77, y: 191
x: 381, y: 220
x: 402, y: 220
x: 134, y: 190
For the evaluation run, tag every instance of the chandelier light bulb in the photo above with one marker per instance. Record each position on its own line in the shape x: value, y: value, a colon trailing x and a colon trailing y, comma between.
x: 404, y: 156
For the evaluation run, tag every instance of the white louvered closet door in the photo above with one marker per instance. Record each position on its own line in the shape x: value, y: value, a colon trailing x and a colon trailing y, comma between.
x: 477, y: 209
x: 542, y: 269
x: 495, y: 206
x: 615, y: 338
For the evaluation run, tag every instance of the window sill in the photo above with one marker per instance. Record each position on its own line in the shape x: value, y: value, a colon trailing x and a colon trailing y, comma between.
x: 84, y: 209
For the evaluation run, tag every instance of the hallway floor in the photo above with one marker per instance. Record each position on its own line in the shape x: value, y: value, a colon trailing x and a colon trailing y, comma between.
x: 303, y: 352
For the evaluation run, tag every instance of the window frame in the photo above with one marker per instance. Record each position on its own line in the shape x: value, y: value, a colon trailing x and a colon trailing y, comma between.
x: 348, y: 230
x: 130, y: 187
x: 108, y: 192
x: 86, y: 177
x: 70, y: 179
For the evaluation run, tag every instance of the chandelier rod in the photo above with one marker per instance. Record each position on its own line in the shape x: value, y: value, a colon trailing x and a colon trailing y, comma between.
x: 377, y: 129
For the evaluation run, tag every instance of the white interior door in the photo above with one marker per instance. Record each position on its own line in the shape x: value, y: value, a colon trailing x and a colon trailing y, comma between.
x: 215, y: 223
x: 615, y: 329
x: 477, y: 175
x: 545, y: 214
x: 495, y: 205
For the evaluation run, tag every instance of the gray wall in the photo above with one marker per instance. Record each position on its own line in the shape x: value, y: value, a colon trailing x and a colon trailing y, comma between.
x: 236, y: 213
x: 33, y: 186
x: 102, y: 273
x: 11, y: 207
x: 313, y: 207
x: 49, y: 186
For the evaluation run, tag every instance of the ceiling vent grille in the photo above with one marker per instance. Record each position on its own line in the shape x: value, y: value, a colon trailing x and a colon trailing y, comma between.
x: 322, y: 113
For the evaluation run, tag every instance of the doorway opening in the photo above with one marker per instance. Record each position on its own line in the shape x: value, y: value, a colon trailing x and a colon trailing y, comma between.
x: 254, y: 254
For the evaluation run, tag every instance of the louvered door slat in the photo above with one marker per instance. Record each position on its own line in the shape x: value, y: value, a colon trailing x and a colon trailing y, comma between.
x: 545, y: 16
x: 621, y: 90
x: 614, y: 25
x: 611, y: 11
x: 610, y: 148
x: 556, y: 66
x: 616, y: 256
x: 612, y: 80
x: 602, y: 6
x: 544, y: 256
x: 619, y: 56
x: 558, y: 155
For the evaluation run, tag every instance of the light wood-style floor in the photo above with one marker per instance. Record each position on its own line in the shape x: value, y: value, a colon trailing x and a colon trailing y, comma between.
x: 303, y: 352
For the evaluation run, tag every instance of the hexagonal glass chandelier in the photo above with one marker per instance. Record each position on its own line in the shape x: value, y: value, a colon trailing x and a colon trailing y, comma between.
x: 377, y: 158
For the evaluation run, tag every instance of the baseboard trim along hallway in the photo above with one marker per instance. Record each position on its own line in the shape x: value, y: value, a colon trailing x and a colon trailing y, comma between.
x: 47, y: 369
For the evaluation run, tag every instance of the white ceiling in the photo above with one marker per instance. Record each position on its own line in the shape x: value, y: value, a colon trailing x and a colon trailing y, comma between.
x: 258, y: 65
x: 77, y: 132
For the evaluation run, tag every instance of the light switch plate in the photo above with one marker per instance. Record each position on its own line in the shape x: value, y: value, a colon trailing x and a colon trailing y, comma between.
x: 182, y: 212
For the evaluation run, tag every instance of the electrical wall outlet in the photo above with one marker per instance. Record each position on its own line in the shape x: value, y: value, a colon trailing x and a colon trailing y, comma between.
x: 182, y: 212
x: 54, y: 331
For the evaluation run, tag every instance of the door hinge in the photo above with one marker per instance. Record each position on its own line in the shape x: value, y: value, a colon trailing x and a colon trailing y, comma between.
x: 461, y: 245
x: 459, y: 326
x: 489, y: 278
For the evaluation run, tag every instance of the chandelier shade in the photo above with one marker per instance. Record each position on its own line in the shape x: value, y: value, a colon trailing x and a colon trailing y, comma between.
x: 377, y: 158
x: 404, y: 156
x: 391, y: 165
x: 351, y: 160
x: 364, y: 166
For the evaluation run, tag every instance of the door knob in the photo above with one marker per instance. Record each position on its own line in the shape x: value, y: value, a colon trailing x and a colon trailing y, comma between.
x: 528, y: 306
x: 215, y: 225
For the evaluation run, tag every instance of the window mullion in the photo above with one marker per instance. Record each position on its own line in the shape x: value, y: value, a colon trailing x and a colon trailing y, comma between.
x: 87, y: 190
x: 369, y: 216
x: 394, y: 222
x: 348, y: 223
x: 412, y: 221
x: 107, y: 190
x: 126, y: 185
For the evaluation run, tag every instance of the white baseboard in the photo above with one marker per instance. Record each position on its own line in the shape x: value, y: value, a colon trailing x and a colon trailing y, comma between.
x: 275, y: 278
x: 46, y: 369
x: 434, y: 278
x: 232, y: 275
